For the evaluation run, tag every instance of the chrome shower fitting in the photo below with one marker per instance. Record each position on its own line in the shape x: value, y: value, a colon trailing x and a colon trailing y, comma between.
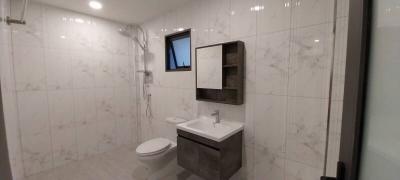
x: 22, y: 21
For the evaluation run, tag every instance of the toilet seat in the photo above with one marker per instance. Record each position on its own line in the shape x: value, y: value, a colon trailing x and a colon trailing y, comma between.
x: 153, y: 147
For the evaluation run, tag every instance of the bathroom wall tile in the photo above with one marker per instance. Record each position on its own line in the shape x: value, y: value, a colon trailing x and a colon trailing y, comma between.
x: 33, y: 113
x: 250, y: 65
x: 298, y: 171
x: 122, y: 71
x: 268, y: 165
x: 83, y: 70
x: 272, y: 61
x: 270, y: 123
x: 249, y: 128
x: 37, y: 153
x: 65, y: 147
x: 87, y: 140
x: 307, y: 131
x: 343, y: 8
x: 243, y: 19
x: 31, y: 34
x: 184, y: 17
x: 82, y: 32
x: 312, y: 12
x: 107, y: 134
x: 57, y: 28
x: 274, y: 17
x: 105, y: 104
x: 61, y: 109
x: 219, y: 21
x: 200, y: 24
x: 104, y: 71
x: 30, y: 69
x: 84, y: 106
x: 310, y: 61
x: 58, y: 69
x: 339, y: 67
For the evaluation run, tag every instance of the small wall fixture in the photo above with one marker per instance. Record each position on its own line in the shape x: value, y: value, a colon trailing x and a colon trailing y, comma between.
x: 95, y: 5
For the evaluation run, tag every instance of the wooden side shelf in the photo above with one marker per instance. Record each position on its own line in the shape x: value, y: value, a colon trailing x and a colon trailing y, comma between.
x: 233, y: 58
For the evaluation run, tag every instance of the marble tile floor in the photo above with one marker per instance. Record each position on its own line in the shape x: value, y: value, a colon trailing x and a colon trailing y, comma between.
x: 120, y: 164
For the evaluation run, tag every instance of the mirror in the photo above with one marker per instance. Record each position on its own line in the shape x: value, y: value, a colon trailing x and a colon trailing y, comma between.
x: 209, y: 67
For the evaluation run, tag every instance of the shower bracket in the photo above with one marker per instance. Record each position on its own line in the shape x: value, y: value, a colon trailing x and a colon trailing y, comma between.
x: 10, y: 21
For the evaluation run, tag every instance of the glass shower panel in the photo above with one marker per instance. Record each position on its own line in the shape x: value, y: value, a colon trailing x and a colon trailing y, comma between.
x: 381, y: 143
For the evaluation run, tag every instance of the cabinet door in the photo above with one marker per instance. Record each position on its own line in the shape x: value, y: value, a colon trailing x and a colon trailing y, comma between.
x: 199, y: 159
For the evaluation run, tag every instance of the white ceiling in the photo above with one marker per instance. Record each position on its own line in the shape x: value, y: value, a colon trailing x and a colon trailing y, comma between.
x: 126, y: 11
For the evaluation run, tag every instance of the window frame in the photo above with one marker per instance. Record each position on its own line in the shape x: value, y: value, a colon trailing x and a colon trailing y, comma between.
x: 175, y: 36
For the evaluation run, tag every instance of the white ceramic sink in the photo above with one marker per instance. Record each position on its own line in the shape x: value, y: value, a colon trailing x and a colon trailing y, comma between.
x: 206, y: 128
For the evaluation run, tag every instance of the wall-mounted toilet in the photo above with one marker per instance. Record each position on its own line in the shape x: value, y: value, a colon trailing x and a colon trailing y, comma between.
x: 159, y: 154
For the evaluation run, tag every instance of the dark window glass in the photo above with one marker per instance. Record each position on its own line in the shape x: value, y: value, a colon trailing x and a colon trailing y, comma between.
x: 178, y: 55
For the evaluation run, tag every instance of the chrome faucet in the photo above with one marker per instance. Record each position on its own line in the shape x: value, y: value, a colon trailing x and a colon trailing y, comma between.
x: 217, y: 117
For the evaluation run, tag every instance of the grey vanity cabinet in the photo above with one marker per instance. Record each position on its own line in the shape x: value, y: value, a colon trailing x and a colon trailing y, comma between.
x: 210, y: 159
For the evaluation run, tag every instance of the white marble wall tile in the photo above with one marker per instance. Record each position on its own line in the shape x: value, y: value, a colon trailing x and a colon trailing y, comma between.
x: 339, y: 68
x: 272, y: 63
x: 249, y: 128
x: 107, y: 134
x: 243, y: 19
x: 61, y: 109
x: 82, y: 32
x: 31, y: 34
x: 250, y: 64
x: 87, y: 139
x: 58, y: 69
x: 105, y: 104
x: 123, y: 115
x: 312, y: 12
x: 268, y: 165
x: 122, y: 71
x: 219, y: 20
x: 66, y: 83
x: 65, y: 147
x: 270, y: 123
x: 37, y: 153
x: 104, y: 71
x: 274, y: 17
x: 33, y: 113
x: 298, y: 171
x: 343, y: 8
x: 30, y: 69
x: 83, y: 67
x: 84, y: 106
x: 310, y: 61
x: 58, y: 28
x: 200, y: 24
x: 306, y: 131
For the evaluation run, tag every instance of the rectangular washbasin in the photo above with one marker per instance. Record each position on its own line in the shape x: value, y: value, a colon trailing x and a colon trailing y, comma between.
x: 205, y: 127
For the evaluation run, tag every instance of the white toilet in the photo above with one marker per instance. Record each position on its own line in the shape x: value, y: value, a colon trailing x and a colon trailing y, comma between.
x: 159, y: 154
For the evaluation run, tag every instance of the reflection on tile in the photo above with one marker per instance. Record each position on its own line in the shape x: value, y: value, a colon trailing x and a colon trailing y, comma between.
x: 312, y: 12
x: 243, y: 20
x: 310, y: 61
x: 274, y: 17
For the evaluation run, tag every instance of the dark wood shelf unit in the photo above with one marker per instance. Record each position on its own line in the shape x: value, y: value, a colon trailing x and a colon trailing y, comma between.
x: 233, y: 59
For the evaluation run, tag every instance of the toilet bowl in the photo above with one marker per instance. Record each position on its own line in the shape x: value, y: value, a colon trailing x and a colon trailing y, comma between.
x: 159, y: 154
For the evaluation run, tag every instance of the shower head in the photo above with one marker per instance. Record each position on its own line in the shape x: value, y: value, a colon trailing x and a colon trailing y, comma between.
x: 126, y: 31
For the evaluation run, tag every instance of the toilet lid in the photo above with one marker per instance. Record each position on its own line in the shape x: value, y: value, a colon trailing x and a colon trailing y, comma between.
x: 154, y: 146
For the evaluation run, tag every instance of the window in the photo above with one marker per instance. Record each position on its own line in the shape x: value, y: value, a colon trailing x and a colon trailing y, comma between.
x: 178, y: 51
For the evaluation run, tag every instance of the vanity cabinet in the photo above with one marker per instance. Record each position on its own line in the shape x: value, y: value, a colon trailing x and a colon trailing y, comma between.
x: 210, y: 159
